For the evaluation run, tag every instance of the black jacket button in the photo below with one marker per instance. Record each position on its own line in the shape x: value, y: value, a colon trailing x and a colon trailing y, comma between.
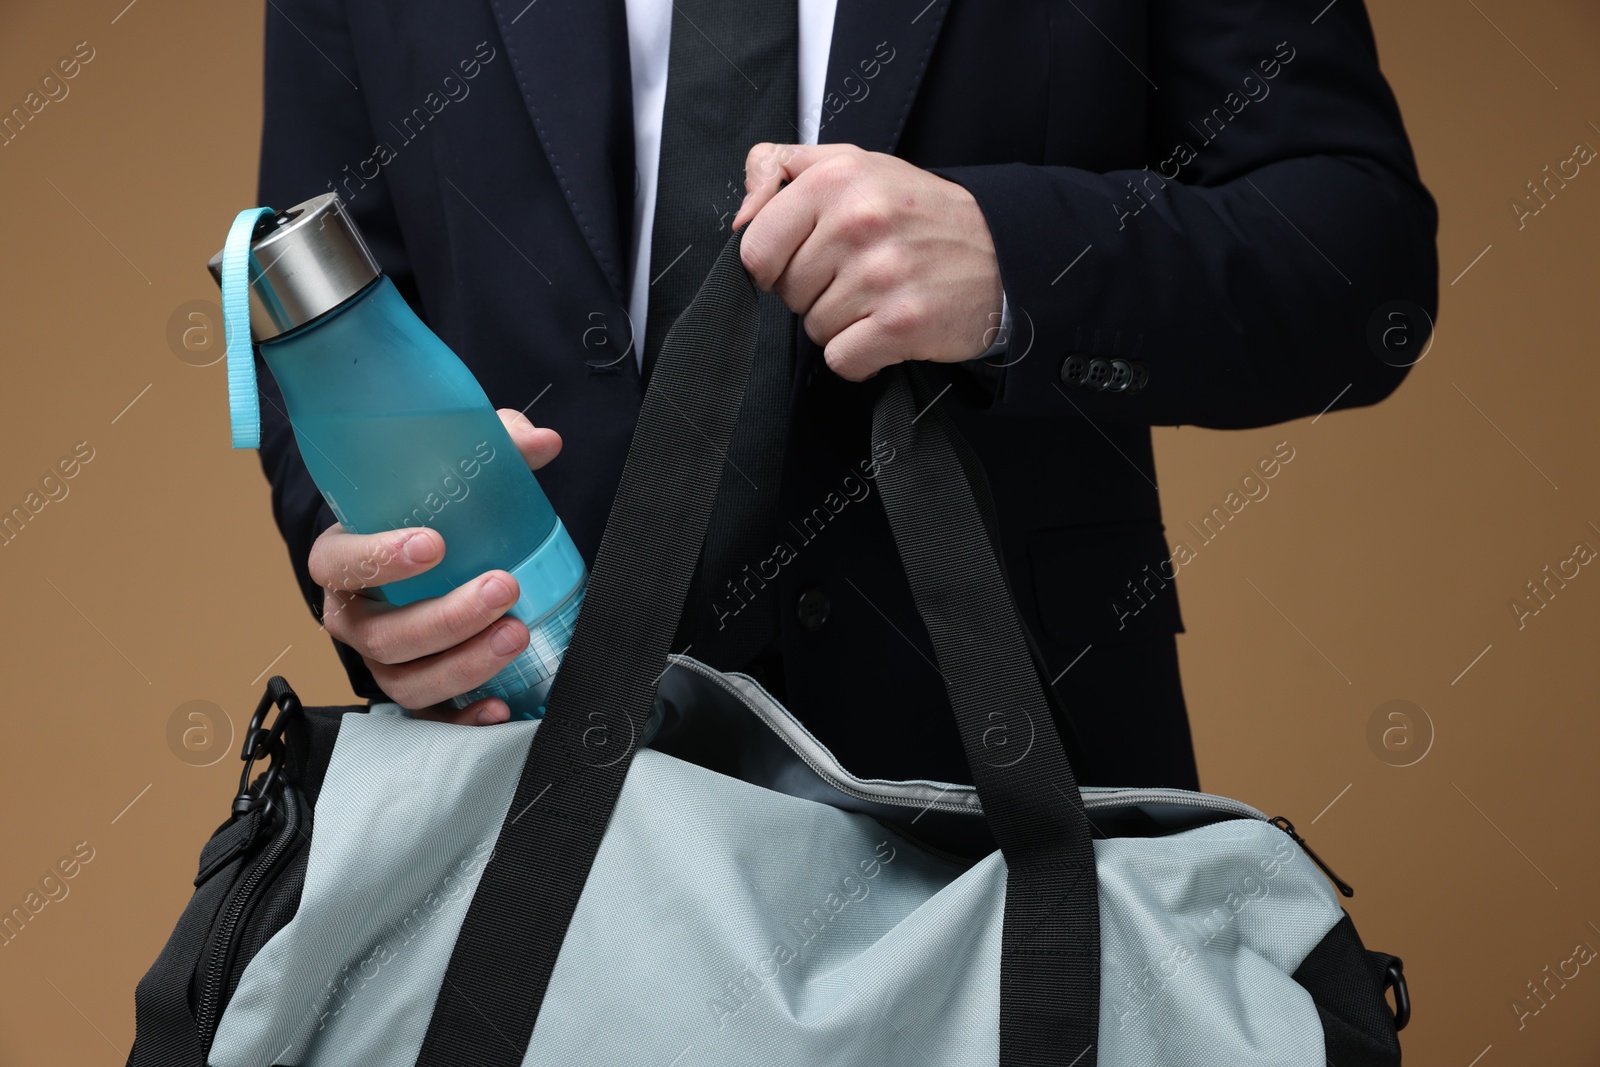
x: 1121, y: 376
x: 1072, y: 369
x: 813, y: 608
x: 1141, y: 377
x: 1098, y: 374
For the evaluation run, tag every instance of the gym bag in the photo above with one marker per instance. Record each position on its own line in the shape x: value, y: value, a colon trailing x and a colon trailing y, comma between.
x: 670, y: 870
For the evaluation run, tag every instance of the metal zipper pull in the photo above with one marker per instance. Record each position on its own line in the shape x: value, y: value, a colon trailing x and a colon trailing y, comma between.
x: 1288, y: 827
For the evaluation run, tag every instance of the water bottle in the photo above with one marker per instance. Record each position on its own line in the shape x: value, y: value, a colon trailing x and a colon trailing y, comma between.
x: 393, y: 427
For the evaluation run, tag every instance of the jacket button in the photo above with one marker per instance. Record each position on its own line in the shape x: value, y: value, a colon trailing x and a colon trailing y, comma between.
x: 1098, y: 374
x: 1141, y: 377
x: 1072, y: 369
x: 813, y: 608
x: 1121, y: 376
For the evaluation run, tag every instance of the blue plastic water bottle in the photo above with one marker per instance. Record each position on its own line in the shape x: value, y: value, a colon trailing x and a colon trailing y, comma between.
x: 393, y: 427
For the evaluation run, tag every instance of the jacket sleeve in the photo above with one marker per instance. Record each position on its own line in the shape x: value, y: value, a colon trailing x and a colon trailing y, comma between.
x: 316, y: 134
x: 1251, y: 272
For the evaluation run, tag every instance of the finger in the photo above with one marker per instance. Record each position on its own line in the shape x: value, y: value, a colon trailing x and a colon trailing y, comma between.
x: 767, y: 166
x: 773, y: 237
x: 812, y: 268
x: 538, y: 444
x: 428, y: 681
x: 764, y: 173
x: 391, y: 635
x: 835, y: 310
x: 825, y: 207
x: 862, y: 349
x: 346, y: 562
x: 485, y: 712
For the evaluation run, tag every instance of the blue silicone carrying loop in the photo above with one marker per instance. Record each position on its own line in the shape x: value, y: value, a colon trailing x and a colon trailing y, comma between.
x: 244, y: 403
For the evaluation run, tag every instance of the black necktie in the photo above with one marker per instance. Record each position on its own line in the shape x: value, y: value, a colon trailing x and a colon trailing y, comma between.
x: 731, y: 84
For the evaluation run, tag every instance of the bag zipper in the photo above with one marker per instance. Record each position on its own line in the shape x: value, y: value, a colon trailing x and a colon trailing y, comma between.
x: 208, y: 1010
x: 1113, y: 797
x: 1288, y: 827
x: 1108, y: 798
x: 1093, y: 796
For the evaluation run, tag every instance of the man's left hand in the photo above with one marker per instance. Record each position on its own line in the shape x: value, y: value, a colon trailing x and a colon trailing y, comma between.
x: 884, y: 261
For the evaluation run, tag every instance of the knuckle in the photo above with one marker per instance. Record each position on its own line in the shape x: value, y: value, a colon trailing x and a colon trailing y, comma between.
x: 902, y: 318
x: 507, y: 639
x: 363, y: 573
x: 466, y: 668
x: 862, y: 221
x: 455, y: 621
x: 391, y: 682
x: 333, y: 615
x: 767, y: 163
x: 885, y: 266
x: 814, y: 330
x: 376, y: 641
x: 318, y: 564
x: 837, y: 360
x: 759, y: 163
x: 838, y: 172
x: 404, y: 689
x: 755, y: 258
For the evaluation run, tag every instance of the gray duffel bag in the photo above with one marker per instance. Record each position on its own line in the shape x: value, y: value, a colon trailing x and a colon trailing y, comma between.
x: 670, y: 870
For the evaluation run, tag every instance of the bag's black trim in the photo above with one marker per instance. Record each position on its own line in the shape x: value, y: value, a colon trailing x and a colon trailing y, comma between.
x: 223, y: 961
x: 1347, y: 983
x: 248, y: 882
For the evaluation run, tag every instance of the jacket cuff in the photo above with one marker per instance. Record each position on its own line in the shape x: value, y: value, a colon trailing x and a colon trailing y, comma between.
x: 1049, y: 347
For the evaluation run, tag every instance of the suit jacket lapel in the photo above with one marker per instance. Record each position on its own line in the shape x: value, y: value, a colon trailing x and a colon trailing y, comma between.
x: 571, y: 63
x: 875, y: 63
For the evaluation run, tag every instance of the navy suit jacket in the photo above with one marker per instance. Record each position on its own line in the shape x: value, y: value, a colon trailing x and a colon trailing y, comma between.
x: 1199, y: 207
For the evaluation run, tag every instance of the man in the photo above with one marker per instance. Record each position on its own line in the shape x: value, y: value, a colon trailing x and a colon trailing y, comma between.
x: 1085, y: 217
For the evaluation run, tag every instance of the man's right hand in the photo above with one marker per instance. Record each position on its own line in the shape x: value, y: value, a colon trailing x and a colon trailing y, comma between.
x: 424, y: 653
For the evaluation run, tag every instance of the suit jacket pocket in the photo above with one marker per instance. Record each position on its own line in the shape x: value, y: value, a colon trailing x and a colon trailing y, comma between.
x: 1103, y: 581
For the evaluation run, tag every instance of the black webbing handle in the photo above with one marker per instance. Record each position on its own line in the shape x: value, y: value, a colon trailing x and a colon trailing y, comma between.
x: 507, y: 948
x: 1050, y: 943
x: 506, y: 952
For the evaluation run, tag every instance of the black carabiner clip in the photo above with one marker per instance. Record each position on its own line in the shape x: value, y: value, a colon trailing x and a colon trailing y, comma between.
x: 264, y: 741
x: 1394, y: 977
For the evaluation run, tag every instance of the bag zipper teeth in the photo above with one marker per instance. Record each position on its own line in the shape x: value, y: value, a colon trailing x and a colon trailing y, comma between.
x: 1096, y: 797
x: 1093, y: 796
x: 828, y: 775
x: 216, y: 977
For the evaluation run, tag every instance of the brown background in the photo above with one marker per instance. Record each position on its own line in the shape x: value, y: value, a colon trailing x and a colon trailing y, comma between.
x: 1380, y: 566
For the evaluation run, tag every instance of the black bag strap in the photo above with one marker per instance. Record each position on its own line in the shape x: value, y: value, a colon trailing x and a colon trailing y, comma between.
x: 507, y: 947
x: 1050, y: 941
x: 506, y: 951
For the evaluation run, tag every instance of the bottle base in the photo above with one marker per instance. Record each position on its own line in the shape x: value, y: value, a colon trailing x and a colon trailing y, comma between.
x: 524, y: 683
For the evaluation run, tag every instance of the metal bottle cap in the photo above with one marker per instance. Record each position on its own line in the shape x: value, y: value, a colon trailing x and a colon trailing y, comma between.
x: 304, y: 261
